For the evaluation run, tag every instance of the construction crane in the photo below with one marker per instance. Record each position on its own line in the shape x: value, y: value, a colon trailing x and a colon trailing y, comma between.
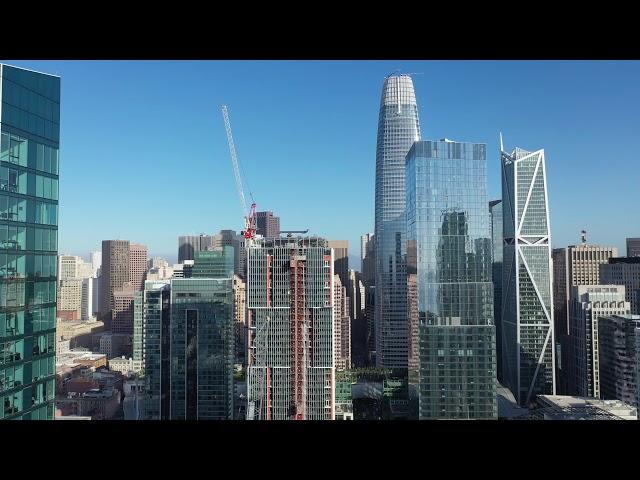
x: 249, y: 215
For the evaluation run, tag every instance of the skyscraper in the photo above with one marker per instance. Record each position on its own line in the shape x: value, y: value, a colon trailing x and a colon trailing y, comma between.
x: 588, y: 304
x: 341, y: 325
x: 29, y: 144
x: 267, y: 224
x: 527, y: 307
x: 619, y: 337
x: 137, y: 265
x: 341, y: 259
x: 398, y: 128
x: 187, y: 246
x: 115, y: 273
x: 291, y: 372
x: 633, y: 247
x: 495, y: 213
x: 624, y: 271
x: 449, y: 275
x: 367, y: 258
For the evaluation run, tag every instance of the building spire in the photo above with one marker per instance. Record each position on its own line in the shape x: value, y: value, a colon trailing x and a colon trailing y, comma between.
x: 501, y: 144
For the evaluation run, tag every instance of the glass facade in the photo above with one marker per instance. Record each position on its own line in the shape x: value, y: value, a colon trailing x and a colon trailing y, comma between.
x: 495, y: 212
x: 527, y: 308
x: 449, y: 263
x: 214, y: 263
x: 202, y: 348
x: 29, y: 145
x: 398, y: 128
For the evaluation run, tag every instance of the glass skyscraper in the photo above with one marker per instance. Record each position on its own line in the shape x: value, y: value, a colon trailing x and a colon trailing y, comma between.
x: 29, y: 143
x: 398, y: 128
x: 495, y: 213
x: 527, y: 307
x: 449, y: 263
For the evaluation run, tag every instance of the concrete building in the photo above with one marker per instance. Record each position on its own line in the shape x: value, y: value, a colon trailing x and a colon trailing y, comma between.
x: 398, y: 128
x: 123, y: 365
x: 588, y: 304
x: 96, y: 262
x: 341, y: 260
x: 267, y: 224
x: 559, y: 407
x: 633, y: 247
x: 68, y: 267
x: 341, y: 326
x: 290, y: 319
x: 70, y: 299
x: 624, y: 271
x: 137, y: 265
x: 619, y: 344
x: 122, y: 310
x: 527, y: 306
x: 115, y: 273
x: 449, y: 259
x: 87, y: 307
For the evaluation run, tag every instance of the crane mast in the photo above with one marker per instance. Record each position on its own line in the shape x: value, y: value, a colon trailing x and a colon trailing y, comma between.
x: 249, y: 215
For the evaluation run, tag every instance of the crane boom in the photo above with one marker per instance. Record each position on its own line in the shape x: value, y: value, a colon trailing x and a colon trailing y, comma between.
x: 249, y: 216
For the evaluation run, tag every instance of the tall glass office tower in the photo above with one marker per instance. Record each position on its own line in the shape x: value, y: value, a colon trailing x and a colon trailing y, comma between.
x: 398, y: 128
x: 495, y: 213
x: 449, y: 269
x: 527, y: 307
x: 29, y: 139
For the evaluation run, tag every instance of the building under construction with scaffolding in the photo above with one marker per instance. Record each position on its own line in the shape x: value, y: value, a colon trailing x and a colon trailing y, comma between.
x: 291, y: 373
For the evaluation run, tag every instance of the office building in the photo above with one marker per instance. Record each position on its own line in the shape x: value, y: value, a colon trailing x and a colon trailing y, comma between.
x: 341, y: 259
x: 229, y: 238
x: 527, y: 308
x: 202, y: 353
x: 70, y: 299
x: 216, y: 263
x: 137, y: 265
x: 29, y: 143
x: 624, y: 271
x: 68, y: 267
x: 157, y: 262
x: 115, y: 273
x: 449, y: 261
x: 495, y: 214
x: 367, y: 258
x: 398, y: 128
x: 619, y: 338
x: 267, y: 224
x: 588, y: 304
x: 290, y: 320
x: 357, y: 312
x: 152, y: 346
x: 572, y: 266
x: 122, y: 311
x: 87, y: 309
x: 187, y: 246
x: 633, y: 247
x: 96, y: 262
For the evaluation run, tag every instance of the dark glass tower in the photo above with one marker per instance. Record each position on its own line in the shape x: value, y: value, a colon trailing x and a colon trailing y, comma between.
x: 495, y: 212
x: 29, y: 139
x: 449, y: 275
x: 398, y: 128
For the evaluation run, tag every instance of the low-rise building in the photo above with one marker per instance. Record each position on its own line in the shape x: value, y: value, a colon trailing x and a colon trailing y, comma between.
x: 563, y: 407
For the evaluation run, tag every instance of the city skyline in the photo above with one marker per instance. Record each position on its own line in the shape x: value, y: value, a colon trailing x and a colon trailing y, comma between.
x: 316, y: 121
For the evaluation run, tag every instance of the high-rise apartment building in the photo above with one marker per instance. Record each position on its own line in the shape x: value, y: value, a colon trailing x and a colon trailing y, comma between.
x: 137, y: 265
x: 291, y: 373
x: 588, y: 304
x: 267, y: 224
x: 449, y: 264
x: 619, y: 340
x: 527, y: 307
x: 495, y: 214
x: 398, y: 128
x: 624, y: 271
x: 29, y: 145
x: 633, y: 247
x: 115, y: 273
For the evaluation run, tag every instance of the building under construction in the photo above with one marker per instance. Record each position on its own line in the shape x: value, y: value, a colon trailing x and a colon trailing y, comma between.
x: 291, y: 373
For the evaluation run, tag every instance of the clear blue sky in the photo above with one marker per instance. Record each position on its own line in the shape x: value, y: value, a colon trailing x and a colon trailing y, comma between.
x: 144, y: 155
